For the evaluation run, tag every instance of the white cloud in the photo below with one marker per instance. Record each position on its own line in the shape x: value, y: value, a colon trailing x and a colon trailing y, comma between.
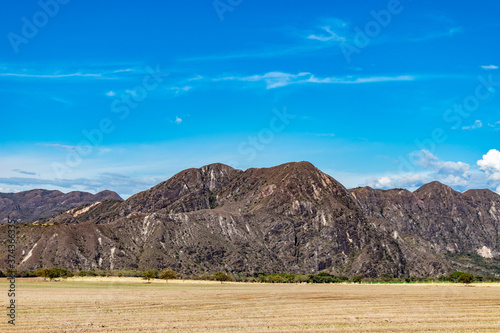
x: 178, y: 120
x: 331, y: 36
x: 477, y: 124
x: 383, y: 182
x: 490, y: 165
x: 280, y: 79
x: 489, y: 67
x: 448, y: 172
x: 110, y: 93
x: 354, y: 80
x: 408, y: 181
x: 51, y: 76
x: 196, y: 78
x: 178, y: 90
x: 90, y: 71
x: 495, y: 125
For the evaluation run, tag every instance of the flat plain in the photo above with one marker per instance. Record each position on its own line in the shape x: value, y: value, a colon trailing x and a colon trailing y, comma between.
x: 132, y: 305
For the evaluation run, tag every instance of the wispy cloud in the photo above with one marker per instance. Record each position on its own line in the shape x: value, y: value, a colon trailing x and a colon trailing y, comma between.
x: 69, y: 148
x: 477, y: 124
x: 449, y: 172
x: 23, y: 73
x: 325, y: 38
x: 178, y: 120
x: 59, y: 146
x: 489, y: 67
x: 25, y: 172
x: 280, y: 79
x: 495, y: 125
x: 178, y: 90
x: 51, y: 76
x: 332, y: 31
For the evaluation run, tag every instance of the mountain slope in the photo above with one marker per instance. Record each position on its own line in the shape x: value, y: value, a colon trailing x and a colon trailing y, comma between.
x: 288, y: 218
x: 436, y: 220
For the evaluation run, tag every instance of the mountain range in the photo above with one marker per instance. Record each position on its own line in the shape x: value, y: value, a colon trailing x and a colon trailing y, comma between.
x: 289, y: 218
x: 36, y: 204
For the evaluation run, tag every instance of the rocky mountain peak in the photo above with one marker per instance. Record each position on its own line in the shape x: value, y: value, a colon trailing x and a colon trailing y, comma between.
x: 434, y: 188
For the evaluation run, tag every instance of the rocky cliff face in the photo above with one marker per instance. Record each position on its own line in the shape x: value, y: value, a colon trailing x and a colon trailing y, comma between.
x: 35, y: 204
x: 435, y: 221
x: 289, y: 218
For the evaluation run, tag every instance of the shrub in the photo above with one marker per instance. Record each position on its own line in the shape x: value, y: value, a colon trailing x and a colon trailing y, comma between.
x: 91, y: 273
x: 277, y: 279
x: 221, y: 276
x: 53, y: 273
x: 149, y: 274
x: 168, y: 274
x: 357, y: 278
x: 466, y: 278
x: 385, y: 278
x: 454, y: 276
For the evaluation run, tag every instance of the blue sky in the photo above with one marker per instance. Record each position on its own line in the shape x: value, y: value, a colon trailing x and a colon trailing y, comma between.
x: 123, y: 94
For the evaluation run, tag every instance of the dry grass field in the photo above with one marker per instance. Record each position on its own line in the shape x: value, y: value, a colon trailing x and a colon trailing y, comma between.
x: 131, y: 305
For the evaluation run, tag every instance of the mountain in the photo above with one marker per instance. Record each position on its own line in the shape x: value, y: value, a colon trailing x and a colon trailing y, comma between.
x: 36, y: 204
x: 289, y: 218
x: 436, y: 222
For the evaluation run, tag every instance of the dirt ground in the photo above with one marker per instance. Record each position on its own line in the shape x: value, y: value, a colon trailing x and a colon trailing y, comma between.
x: 132, y: 305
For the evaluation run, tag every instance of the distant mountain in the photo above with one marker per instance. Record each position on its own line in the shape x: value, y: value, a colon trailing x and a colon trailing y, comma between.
x: 288, y: 218
x: 35, y: 204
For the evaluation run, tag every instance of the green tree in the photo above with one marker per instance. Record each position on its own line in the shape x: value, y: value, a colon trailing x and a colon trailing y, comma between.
x: 44, y: 272
x: 53, y: 273
x: 385, y: 278
x: 149, y: 274
x: 357, y: 278
x: 454, y: 276
x: 466, y: 278
x: 168, y: 274
x: 91, y: 272
x: 221, y: 276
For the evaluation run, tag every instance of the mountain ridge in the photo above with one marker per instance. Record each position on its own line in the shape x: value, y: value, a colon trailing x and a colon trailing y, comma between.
x: 286, y: 218
x: 34, y: 204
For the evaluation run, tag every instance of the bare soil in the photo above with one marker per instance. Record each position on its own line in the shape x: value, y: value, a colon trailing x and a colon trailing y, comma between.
x: 132, y: 305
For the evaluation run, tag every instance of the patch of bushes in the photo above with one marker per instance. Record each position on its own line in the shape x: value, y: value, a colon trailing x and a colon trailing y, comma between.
x: 466, y: 278
x: 357, y: 278
x: 53, y: 273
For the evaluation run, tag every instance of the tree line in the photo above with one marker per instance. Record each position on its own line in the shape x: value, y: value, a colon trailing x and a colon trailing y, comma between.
x: 169, y: 274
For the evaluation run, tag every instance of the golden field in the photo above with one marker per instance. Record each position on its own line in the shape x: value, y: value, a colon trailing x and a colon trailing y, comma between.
x: 132, y: 305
